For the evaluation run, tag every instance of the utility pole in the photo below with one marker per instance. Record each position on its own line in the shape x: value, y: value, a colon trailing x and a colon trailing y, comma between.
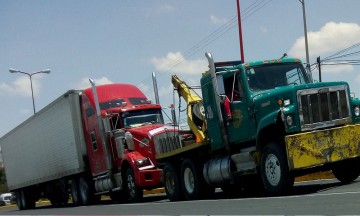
x: 240, y: 31
x: 319, y: 66
x: 306, y: 39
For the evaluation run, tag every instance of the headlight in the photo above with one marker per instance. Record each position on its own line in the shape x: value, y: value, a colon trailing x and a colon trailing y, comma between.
x: 287, y: 102
x: 357, y: 111
x: 144, y: 142
x: 289, y: 120
x: 142, y: 161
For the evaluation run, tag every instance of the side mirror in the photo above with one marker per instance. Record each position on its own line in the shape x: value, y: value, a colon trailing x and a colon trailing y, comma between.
x: 130, y: 141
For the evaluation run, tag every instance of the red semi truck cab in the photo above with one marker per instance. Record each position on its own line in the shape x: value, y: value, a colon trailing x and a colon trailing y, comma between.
x: 88, y: 142
x: 127, y: 115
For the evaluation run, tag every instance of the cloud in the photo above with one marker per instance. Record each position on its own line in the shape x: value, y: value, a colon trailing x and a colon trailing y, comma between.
x: 332, y: 37
x: 165, y: 8
x: 22, y: 87
x: 357, y: 79
x: 218, y: 21
x: 176, y: 63
x: 263, y: 29
x: 86, y: 84
x: 4, y: 88
x: 159, y: 10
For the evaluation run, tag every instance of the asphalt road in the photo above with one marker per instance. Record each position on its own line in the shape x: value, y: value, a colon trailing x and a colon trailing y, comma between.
x: 327, y: 197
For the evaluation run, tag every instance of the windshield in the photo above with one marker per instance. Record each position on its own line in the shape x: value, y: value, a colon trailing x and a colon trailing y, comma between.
x: 142, y: 117
x: 266, y: 77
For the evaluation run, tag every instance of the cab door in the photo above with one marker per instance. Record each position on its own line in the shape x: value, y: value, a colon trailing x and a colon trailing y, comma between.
x: 93, y: 140
x: 241, y: 127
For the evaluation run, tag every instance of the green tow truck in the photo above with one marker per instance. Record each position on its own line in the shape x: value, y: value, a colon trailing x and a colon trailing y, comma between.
x: 258, y: 126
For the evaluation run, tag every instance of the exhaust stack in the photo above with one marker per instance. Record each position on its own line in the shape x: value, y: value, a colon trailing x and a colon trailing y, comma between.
x: 156, y: 91
x: 101, y: 125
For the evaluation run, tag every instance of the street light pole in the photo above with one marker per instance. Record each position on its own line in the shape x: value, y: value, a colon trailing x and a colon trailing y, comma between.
x: 47, y: 71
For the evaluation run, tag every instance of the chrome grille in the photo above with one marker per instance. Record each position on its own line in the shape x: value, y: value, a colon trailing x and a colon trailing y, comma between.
x: 323, y: 107
x: 166, y: 142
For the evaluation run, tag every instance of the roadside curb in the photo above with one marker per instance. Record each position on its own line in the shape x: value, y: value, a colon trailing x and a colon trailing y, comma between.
x: 316, y: 176
x: 154, y: 191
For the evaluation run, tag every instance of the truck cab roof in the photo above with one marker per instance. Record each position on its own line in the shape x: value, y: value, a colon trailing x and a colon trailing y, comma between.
x: 115, y: 96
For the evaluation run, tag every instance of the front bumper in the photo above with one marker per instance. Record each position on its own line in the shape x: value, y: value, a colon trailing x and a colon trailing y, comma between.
x: 150, y: 178
x: 316, y: 148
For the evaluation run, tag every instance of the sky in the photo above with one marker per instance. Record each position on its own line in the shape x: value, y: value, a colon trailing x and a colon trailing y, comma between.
x: 125, y: 41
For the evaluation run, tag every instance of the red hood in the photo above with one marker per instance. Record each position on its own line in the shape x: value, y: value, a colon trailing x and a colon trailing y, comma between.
x: 146, y: 133
x: 151, y: 130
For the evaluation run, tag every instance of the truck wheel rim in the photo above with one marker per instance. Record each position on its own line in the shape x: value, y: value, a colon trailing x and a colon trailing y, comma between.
x: 131, y: 186
x: 22, y: 199
x: 169, y: 183
x: 83, y: 191
x: 272, y: 169
x: 189, y: 180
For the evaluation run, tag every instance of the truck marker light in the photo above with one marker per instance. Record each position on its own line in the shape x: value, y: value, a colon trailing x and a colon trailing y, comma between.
x: 142, y: 162
x: 286, y: 102
x: 197, y: 138
x: 289, y: 120
x: 282, y: 114
x: 357, y: 111
x: 280, y: 102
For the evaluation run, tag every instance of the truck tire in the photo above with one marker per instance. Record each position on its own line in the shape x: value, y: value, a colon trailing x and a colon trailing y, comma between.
x: 232, y: 190
x: 86, y: 191
x: 197, y: 117
x: 347, y: 171
x: 274, y: 170
x: 172, y: 183
x: 253, y: 185
x: 192, y: 181
x: 75, y: 192
x: 24, y: 200
x: 118, y: 196
x: 57, y: 192
x: 19, y: 200
x: 134, y: 192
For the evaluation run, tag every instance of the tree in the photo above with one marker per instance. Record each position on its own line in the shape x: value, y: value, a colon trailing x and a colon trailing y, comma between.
x: 3, y: 184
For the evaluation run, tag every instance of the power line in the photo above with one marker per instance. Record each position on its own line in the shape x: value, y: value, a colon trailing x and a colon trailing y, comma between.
x: 342, y: 56
x: 335, y: 55
x: 246, y: 13
x: 254, y: 7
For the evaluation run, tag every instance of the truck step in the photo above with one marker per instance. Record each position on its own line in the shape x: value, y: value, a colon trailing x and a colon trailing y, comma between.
x: 244, y: 163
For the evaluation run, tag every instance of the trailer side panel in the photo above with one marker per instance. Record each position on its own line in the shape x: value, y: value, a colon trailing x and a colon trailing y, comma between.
x: 48, y: 146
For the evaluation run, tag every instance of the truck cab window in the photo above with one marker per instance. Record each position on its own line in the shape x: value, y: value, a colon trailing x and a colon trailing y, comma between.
x: 93, y: 140
x: 137, y: 101
x: 111, y: 104
x: 267, y: 77
x: 142, y: 117
x: 232, y: 88
x: 89, y: 111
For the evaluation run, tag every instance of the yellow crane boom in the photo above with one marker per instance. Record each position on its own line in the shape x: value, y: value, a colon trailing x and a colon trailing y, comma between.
x: 192, y: 101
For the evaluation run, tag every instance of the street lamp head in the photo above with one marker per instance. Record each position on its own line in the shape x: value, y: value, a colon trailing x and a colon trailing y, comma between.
x: 47, y: 71
x: 12, y: 70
